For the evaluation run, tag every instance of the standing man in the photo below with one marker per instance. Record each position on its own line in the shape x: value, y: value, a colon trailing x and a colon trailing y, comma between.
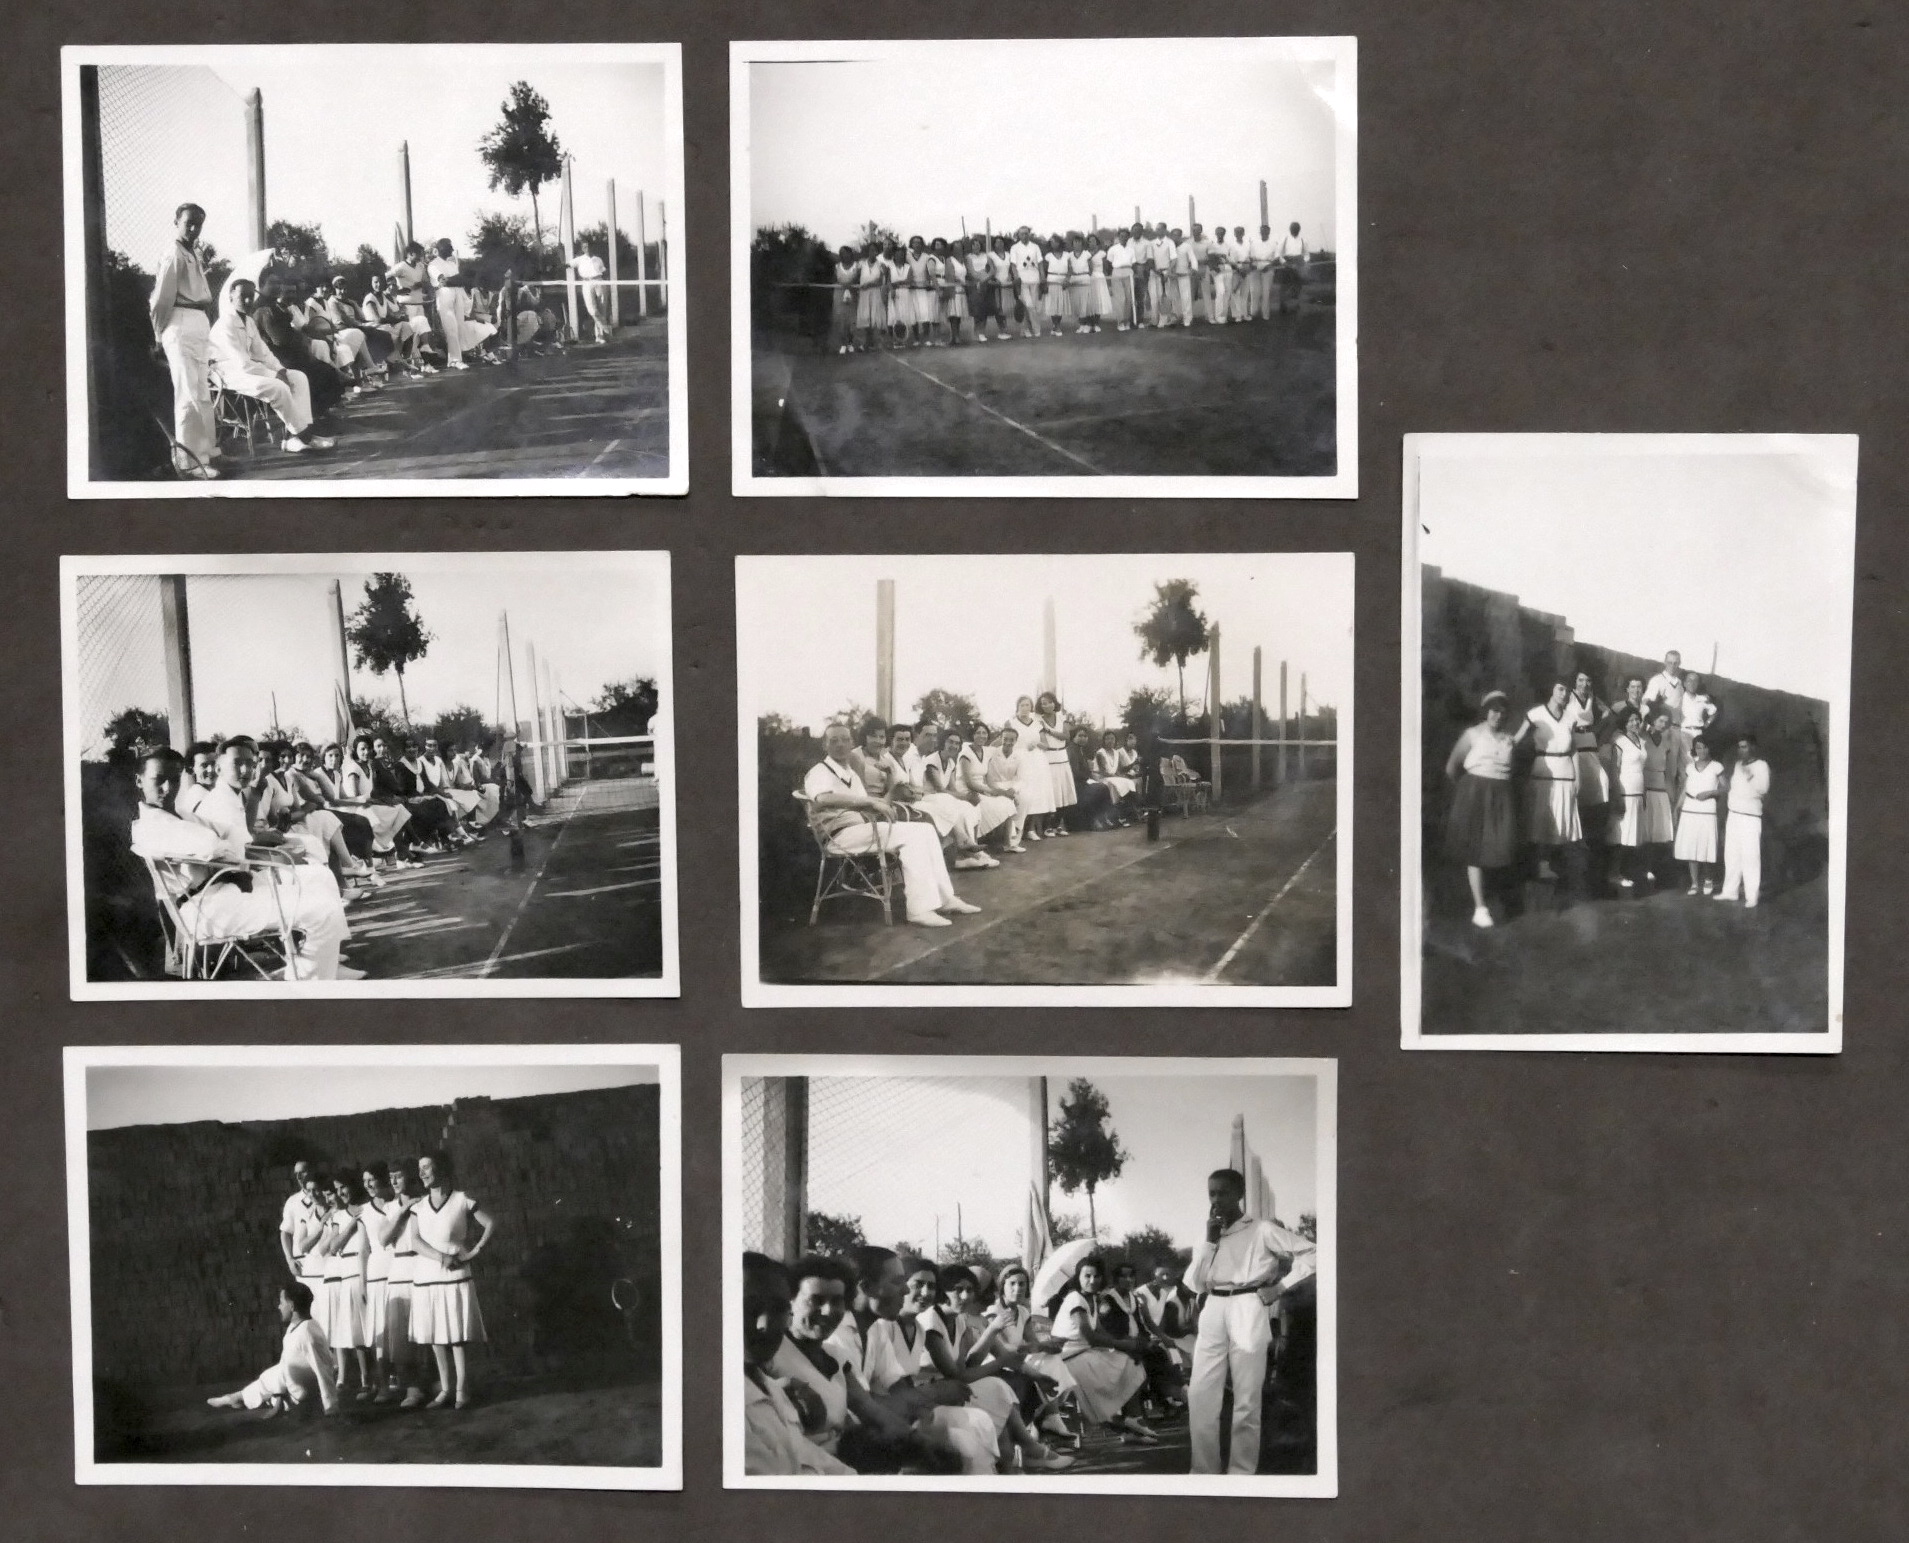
x: 182, y: 322
x: 1240, y: 296
x: 1260, y: 252
x: 1743, y: 830
x: 1235, y: 1270
x: 1666, y: 688
x: 1202, y: 272
x: 1289, y: 271
x: 1185, y: 267
x: 1028, y: 260
x: 1120, y: 272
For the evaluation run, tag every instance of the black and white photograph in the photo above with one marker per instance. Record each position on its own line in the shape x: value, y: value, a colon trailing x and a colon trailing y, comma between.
x: 1092, y: 267
x: 334, y: 270
x: 398, y: 774
x: 1119, y: 780
x: 1626, y: 740
x: 1027, y: 1274
x: 391, y: 1265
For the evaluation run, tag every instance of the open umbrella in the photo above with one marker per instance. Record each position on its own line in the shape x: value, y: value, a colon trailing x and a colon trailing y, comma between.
x: 1058, y: 1269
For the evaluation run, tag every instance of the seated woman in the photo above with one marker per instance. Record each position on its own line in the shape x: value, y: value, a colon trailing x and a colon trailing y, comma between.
x: 356, y: 788
x: 436, y: 775
x: 992, y: 796
x: 279, y: 331
x: 471, y: 772
x: 314, y: 785
x: 1093, y: 807
x: 942, y: 777
x: 1027, y: 1344
x: 1106, y: 1366
x: 433, y: 827
x: 1117, y: 765
x: 308, y: 826
x: 962, y: 1346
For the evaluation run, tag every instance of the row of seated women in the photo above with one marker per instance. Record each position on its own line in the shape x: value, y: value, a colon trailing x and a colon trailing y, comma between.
x: 361, y: 809
x: 879, y: 1364
x: 1037, y: 776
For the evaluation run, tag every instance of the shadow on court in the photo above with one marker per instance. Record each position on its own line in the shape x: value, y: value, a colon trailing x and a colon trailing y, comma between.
x: 1668, y: 963
x: 1247, y: 399
x: 1240, y: 897
x: 532, y: 1421
x: 587, y: 412
x: 585, y: 903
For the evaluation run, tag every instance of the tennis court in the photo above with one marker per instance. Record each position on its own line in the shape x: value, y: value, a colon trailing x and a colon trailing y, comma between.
x: 1248, y: 399
x: 1243, y: 896
x: 585, y: 412
x: 584, y: 901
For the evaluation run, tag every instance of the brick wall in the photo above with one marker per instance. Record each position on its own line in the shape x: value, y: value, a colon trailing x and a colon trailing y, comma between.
x: 185, y: 1257
x: 1478, y: 639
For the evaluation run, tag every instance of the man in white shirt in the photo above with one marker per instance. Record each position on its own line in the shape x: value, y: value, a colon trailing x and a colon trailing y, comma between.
x: 1183, y: 267
x: 248, y: 367
x: 1289, y: 267
x: 1163, y: 288
x: 1743, y: 825
x: 1199, y: 248
x: 591, y: 272
x: 841, y: 810
x: 1260, y: 252
x: 1235, y: 1269
x: 1029, y: 262
x: 304, y: 1364
x: 1120, y: 281
x: 1240, y: 296
x: 1667, y: 686
x: 220, y: 904
x: 181, y: 308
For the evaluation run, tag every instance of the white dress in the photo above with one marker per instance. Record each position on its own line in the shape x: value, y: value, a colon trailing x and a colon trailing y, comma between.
x: 1594, y: 783
x: 377, y: 1275
x: 1033, y: 785
x: 1551, y: 801
x: 1106, y: 1378
x: 346, y: 1324
x: 308, y: 1226
x: 990, y: 809
x: 444, y: 1307
x: 1697, y: 817
x: 990, y: 1395
x: 1111, y: 766
x: 1060, y: 770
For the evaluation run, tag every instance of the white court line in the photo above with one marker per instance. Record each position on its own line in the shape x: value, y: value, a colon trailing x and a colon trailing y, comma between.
x: 599, y: 457
x: 1039, y: 439
x: 451, y: 970
x: 1253, y: 926
x: 601, y: 889
x: 531, y: 889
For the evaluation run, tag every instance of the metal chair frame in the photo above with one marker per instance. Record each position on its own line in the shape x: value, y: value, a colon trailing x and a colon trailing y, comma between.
x: 193, y: 953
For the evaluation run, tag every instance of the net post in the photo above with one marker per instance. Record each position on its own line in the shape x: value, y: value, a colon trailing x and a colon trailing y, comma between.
x: 1037, y: 1132
x: 1262, y: 204
x: 1214, y: 702
x: 884, y: 654
x: 1050, y: 649
x: 1282, y: 725
x: 616, y: 295
x: 1259, y: 718
x: 255, y: 166
x: 642, y: 262
x: 785, y: 1165
x: 344, y: 661
x: 176, y: 635
x: 1302, y: 725
x: 569, y: 227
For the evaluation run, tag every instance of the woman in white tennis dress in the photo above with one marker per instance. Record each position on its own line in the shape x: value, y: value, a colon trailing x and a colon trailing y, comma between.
x: 1551, y: 797
x: 346, y: 1322
x: 449, y: 1230
x: 1034, y: 787
x: 1107, y: 1378
x: 1060, y: 769
x: 1698, y: 813
x: 993, y: 801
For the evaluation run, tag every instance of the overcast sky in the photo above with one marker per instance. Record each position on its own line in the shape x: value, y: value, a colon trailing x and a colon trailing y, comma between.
x: 171, y: 1095
x: 973, y: 624
x: 914, y: 1155
x: 1750, y: 553
x: 332, y: 129
x: 1047, y: 134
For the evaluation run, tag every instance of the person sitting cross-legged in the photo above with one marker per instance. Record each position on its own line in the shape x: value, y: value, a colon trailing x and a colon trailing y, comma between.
x: 303, y: 1368
x: 843, y: 812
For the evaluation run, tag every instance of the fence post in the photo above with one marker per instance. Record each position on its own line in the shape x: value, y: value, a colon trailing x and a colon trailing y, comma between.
x: 1282, y: 724
x: 176, y: 635
x: 1259, y: 719
x: 642, y: 262
x: 1302, y: 725
x: 569, y: 228
x: 255, y: 167
x: 1213, y: 700
x: 616, y: 295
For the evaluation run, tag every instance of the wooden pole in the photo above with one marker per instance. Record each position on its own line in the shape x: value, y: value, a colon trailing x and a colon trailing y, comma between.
x: 616, y: 309
x: 101, y: 355
x: 1189, y: 214
x: 642, y: 261
x: 1282, y: 724
x: 569, y: 228
x: 1050, y: 651
x: 1259, y: 719
x: 176, y: 639
x: 884, y: 655
x: 344, y: 661
x: 1262, y: 204
x: 1214, y: 698
x: 255, y: 169
x: 1302, y: 725
x: 404, y: 188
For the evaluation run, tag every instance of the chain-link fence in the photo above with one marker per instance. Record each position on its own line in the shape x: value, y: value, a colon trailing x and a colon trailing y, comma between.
x: 170, y: 134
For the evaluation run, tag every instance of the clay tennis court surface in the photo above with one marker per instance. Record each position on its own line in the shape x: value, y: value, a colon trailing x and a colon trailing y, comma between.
x: 1244, y: 399
x: 1243, y: 896
x: 584, y: 902
x: 589, y: 412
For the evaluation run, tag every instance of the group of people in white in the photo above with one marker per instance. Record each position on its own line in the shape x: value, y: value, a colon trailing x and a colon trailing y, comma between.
x: 923, y: 294
x: 302, y: 354
x: 916, y: 789
x: 247, y: 837
x: 380, y: 1259
x: 1639, y: 779
x: 879, y: 1363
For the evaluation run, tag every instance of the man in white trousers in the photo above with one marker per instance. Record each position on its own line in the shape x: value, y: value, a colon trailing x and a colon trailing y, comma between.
x: 248, y: 367
x: 1234, y: 1271
x: 182, y: 321
x: 591, y: 274
x: 304, y: 1365
x: 841, y: 810
x: 1743, y: 824
x: 1260, y: 252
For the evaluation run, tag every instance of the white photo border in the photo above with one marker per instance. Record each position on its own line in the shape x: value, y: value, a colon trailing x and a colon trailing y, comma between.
x: 1836, y: 457
x: 1344, y: 483
x: 757, y: 992
x: 1322, y: 1484
x: 667, y: 1061
x: 80, y: 483
x: 655, y: 563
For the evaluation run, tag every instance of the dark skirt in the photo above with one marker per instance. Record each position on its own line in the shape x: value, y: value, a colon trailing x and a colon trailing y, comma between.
x: 1481, y: 831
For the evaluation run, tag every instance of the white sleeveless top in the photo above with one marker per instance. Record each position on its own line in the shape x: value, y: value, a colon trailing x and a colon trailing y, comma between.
x: 441, y: 1226
x: 1488, y: 755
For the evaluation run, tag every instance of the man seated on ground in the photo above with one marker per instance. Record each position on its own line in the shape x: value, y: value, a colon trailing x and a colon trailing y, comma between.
x: 954, y: 818
x: 843, y: 813
x: 773, y: 1438
x: 304, y: 1365
x: 217, y: 902
x: 248, y: 367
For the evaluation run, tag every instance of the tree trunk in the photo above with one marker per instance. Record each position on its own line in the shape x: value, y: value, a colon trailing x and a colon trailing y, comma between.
x: 1093, y: 1222
x: 1180, y: 661
x: 403, y: 706
x: 537, y: 225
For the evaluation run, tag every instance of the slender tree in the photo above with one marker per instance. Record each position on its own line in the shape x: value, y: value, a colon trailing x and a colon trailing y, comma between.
x: 385, y: 632
x: 946, y: 709
x: 521, y: 153
x: 1083, y: 1152
x: 1173, y: 630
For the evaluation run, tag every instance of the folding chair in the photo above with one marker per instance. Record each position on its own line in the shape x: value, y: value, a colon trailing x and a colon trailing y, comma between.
x: 868, y: 874
x: 197, y: 951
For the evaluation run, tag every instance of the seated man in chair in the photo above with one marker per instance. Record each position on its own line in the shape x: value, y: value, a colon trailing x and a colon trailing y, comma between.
x: 248, y: 367
x: 218, y: 902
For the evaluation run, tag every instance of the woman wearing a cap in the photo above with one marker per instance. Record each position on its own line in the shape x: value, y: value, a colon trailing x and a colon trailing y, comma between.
x: 1481, y: 827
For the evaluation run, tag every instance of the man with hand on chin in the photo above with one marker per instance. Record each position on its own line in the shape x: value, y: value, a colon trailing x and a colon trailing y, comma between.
x: 1235, y: 1271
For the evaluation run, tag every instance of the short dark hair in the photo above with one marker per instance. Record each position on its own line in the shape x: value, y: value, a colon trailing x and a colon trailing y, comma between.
x: 299, y: 1295
x: 913, y: 1265
x: 166, y: 756
x: 953, y: 1275
x: 874, y: 725
x: 200, y: 747
x: 1233, y: 1176
x: 238, y: 742
x: 408, y: 1166
x: 769, y: 1275
x: 821, y: 1267
x: 442, y: 1161
x: 868, y: 1262
x: 1746, y: 738
x: 183, y: 208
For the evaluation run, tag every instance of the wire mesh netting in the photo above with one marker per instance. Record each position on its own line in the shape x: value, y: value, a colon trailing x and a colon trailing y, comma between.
x: 170, y: 134
x: 120, y: 663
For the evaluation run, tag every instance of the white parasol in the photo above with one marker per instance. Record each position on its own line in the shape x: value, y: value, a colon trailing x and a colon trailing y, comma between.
x: 1058, y: 1269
